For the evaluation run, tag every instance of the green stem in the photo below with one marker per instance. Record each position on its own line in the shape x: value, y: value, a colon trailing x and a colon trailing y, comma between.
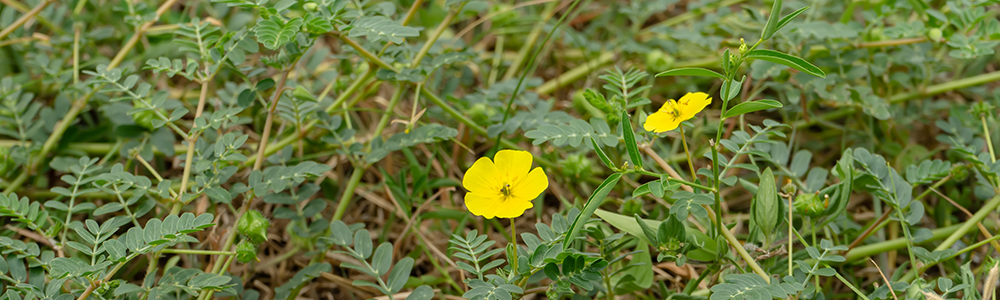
x: 899, y: 243
x: 672, y: 179
x: 437, y: 34
x: 971, y: 222
x: 345, y: 198
x: 81, y: 102
x: 529, y: 42
x: 989, y: 141
x: 197, y: 252
x: 687, y: 153
x: 24, y: 18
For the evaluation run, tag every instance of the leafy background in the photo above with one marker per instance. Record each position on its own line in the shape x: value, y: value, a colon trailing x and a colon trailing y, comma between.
x: 136, y: 133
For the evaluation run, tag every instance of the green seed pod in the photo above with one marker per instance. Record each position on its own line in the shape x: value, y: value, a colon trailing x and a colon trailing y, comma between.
x: 809, y: 205
x: 143, y: 118
x: 671, y: 235
x: 935, y: 34
x: 577, y: 166
x: 254, y: 226
x: 960, y: 172
x: 658, y: 61
x: 311, y: 6
x: 246, y: 252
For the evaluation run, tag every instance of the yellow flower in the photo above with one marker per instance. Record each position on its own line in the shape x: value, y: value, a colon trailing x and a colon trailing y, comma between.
x: 503, y: 189
x: 672, y: 113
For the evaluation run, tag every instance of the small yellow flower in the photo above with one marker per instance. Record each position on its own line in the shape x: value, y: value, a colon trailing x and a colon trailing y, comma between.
x: 672, y: 113
x: 503, y: 189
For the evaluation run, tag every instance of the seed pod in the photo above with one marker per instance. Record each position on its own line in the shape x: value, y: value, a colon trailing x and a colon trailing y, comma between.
x: 311, y: 6
x: 246, y: 252
x: 935, y: 34
x: 254, y: 226
x: 143, y: 118
x: 809, y: 205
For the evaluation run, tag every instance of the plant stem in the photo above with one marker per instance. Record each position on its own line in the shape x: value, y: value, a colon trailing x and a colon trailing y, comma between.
x: 529, y: 42
x: 513, y: 241
x: 976, y: 218
x: 435, y: 35
x: 989, y: 141
x: 80, y: 104
x: 687, y: 153
x: 266, y: 134
x: 191, y: 140
x: 24, y: 18
x: 197, y: 252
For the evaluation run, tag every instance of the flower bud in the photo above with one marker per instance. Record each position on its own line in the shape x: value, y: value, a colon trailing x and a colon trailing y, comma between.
x: 577, y: 166
x: 143, y: 118
x: 982, y: 109
x: 935, y: 34
x: 253, y: 226
x: 658, y: 61
x: 311, y: 6
x: 960, y: 172
x: 809, y: 205
x: 246, y: 252
x: 743, y: 47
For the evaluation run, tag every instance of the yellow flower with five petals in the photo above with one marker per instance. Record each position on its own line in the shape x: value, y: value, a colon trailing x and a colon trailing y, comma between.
x: 672, y: 113
x: 503, y: 187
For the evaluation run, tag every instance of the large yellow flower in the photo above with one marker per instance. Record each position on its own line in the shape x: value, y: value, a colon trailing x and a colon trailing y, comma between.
x: 672, y: 113
x: 503, y: 187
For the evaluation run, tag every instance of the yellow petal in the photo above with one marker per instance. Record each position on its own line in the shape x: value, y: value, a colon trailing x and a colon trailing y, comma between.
x: 484, y: 204
x: 512, y: 165
x: 692, y: 103
x: 533, y: 185
x: 661, y: 121
x: 482, y: 177
x: 512, y: 208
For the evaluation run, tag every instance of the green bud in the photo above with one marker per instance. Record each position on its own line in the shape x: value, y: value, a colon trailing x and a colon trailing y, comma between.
x: 632, y: 206
x: 743, y: 47
x: 659, y: 61
x: 311, y: 6
x: 597, y: 100
x: 809, y: 205
x: 935, y: 34
x: 982, y: 109
x: 143, y: 118
x: 671, y: 235
x: 789, y: 188
x: 960, y: 172
x: 254, y: 226
x: 302, y: 94
x: 246, y: 252
x: 577, y: 166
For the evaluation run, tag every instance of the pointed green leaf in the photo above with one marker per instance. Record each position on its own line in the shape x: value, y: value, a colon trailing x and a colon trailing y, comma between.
x: 751, y: 106
x: 588, y: 209
x: 788, y: 60
x: 691, y: 72
x: 630, y: 145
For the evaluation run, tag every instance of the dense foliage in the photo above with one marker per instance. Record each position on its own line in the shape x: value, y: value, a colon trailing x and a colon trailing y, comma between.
x: 349, y: 149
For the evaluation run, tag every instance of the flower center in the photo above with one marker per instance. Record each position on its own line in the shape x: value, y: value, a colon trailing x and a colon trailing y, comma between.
x: 505, y: 189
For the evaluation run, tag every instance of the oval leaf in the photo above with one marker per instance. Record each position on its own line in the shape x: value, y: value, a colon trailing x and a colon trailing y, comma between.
x: 788, y: 60
x: 751, y: 106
